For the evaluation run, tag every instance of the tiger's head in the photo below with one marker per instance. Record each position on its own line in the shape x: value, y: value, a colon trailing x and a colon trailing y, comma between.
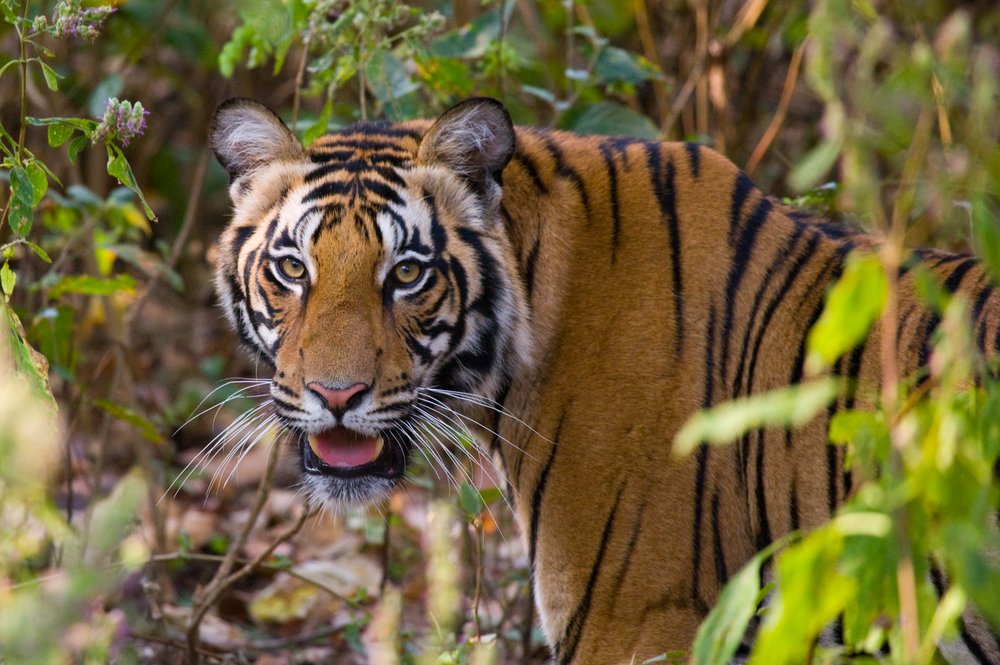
x: 374, y: 273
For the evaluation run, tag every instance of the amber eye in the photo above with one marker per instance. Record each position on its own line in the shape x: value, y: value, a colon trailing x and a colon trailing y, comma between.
x: 292, y: 268
x: 406, y: 272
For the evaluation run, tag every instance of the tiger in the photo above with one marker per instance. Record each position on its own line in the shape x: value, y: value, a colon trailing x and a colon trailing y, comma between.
x: 579, y: 298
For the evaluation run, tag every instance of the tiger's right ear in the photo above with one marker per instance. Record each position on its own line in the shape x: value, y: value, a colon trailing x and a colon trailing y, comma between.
x: 246, y: 135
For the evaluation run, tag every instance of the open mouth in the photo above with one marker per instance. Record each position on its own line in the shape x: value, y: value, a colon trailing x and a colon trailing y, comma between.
x: 348, y: 454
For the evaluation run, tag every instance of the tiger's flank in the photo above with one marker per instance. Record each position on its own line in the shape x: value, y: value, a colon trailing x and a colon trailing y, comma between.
x: 572, y: 301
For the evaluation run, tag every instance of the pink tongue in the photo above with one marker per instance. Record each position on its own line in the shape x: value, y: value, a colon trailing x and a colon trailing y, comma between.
x: 342, y: 447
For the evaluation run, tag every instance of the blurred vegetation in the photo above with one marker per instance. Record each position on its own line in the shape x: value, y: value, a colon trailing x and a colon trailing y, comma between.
x: 880, y: 114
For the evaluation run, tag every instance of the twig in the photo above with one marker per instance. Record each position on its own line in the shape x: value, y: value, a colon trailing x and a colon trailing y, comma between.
x: 300, y: 74
x: 745, y: 19
x: 779, y: 115
x: 220, y: 581
x: 478, y: 524
x: 195, y: 556
x: 190, y: 213
x: 693, y: 77
x: 891, y: 255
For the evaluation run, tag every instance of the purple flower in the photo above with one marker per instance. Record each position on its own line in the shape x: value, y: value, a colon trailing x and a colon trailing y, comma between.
x: 71, y: 19
x: 121, y: 121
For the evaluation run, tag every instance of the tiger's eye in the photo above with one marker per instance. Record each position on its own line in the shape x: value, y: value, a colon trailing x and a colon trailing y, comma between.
x: 292, y: 268
x: 406, y: 272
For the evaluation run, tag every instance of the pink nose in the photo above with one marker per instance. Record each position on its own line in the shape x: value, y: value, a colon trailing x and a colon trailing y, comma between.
x: 336, y: 400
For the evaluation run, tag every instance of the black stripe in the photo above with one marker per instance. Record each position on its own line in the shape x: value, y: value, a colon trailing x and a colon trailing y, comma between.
x: 574, y: 629
x: 772, y: 269
x: 609, y: 164
x: 568, y: 172
x: 793, y: 507
x: 831, y: 477
x: 663, y: 188
x: 694, y: 156
x: 721, y: 574
x: 742, y: 250
x: 536, y: 501
x: 702, y: 460
x: 957, y: 273
x: 529, y: 269
x: 741, y: 190
x: 627, y: 558
x: 522, y: 159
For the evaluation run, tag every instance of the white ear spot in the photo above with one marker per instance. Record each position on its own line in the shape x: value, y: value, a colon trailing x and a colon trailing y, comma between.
x: 475, y: 139
x: 246, y: 134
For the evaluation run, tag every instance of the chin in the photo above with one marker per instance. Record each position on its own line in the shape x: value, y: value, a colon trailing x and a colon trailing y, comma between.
x: 343, y: 487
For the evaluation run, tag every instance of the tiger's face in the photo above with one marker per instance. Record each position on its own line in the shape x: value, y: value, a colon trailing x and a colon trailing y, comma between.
x: 374, y: 274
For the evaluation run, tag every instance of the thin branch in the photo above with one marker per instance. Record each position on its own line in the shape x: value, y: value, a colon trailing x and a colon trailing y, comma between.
x: 190, y: 214
x: 208, y: 595
x: 693, y: 77
x: 891, y: 258
x: 779, y: 115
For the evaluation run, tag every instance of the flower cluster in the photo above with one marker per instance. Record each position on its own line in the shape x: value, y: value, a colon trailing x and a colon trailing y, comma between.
x: 122, y: 121
x: 72, y: 19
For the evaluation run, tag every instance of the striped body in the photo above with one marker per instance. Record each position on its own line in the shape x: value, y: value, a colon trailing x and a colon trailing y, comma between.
x: 613, y: 288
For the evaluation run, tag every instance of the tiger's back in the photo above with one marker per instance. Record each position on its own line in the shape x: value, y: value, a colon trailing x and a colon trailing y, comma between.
x: 639, y: 282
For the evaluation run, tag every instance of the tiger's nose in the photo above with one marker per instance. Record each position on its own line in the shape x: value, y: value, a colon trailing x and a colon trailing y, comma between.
x: 338, y: 399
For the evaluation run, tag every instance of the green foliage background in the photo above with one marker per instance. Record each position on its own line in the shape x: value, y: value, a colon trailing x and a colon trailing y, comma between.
x: 882, y: 115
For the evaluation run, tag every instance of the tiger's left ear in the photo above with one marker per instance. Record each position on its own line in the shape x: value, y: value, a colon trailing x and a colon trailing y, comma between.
x: 475, y: 139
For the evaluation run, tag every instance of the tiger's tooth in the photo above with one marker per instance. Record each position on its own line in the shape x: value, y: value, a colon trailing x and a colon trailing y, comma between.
x: 312, y: 444
x: 379, y: 444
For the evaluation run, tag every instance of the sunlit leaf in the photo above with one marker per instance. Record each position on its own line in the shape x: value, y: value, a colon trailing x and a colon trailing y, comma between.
x: 39, y: 182
x: 852, y: 307
x: 93, y: 286
x: 58, y: 134
x: 721, y: 632
x: 51, y: 78
x: 119, y: 168
x: 793, y: 406
x: 7, y: 280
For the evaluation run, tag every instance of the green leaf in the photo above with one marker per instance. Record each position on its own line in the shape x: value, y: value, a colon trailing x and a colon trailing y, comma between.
x: 7, y: 280
x: 58, y: 134
x: 722, y: 630
x: 79, y: 123
x: 469, y: 501
x: 39, y: 182
x: 22, y: 206
x: 469, y: 41
x: 38, y: 250
x: 75, y: 146
x: 611, y: 119
x: 788, y: 407
x: 541, y: 93
x: 388, y: 78
x: 986, y: 232
x: 131, y: 417
x: 51, y: 78
x: 615, y: 64
x: 853, y: 306
x: 799, y: 612
x: 119, y: 168
x: 28, y: 363
x: 321, y: 125
x: 53, y: 330
x: 93, y: 286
